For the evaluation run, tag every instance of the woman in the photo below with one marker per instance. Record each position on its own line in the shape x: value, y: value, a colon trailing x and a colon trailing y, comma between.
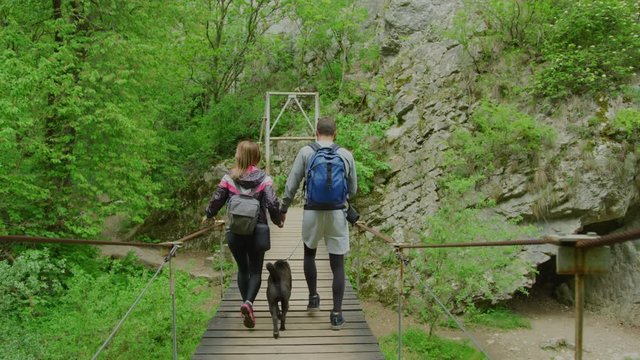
x: 248, y: 250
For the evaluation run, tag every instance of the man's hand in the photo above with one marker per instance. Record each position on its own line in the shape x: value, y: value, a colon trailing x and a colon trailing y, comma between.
x: 205, y: 220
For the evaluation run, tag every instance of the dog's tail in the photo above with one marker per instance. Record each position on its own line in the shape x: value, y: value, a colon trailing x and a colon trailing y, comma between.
x: 272, y: 271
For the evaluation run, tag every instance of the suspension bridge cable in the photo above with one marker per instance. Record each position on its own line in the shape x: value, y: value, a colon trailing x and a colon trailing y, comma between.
x: 172, y: 289
x: 126, y: 315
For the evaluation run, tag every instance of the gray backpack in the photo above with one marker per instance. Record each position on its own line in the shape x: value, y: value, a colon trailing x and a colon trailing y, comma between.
x: 242, y: 212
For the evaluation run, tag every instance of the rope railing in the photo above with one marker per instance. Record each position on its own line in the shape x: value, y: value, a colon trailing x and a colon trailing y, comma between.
x: 578, y: 242
x: 173, y: 247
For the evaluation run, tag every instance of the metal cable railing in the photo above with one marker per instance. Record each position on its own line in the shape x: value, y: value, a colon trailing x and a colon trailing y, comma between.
x: 577, y: 244
x: 42, y: 240
x: 135, y: 303
x: 610, y: 239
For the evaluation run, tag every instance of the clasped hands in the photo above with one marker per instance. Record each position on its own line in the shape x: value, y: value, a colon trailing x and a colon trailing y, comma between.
x: 283, y: 217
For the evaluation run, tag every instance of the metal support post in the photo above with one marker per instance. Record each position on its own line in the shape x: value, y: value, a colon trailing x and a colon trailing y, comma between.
x: 172, y: 289
x: 261, y: 130
x: 400, y: 298
x: 221, y: 266
x: 579, y: 299
x: 267, y: 142
x: 358, y: 258
x: 580, y: 261
x: 270, y: 124
x: 317, y: 115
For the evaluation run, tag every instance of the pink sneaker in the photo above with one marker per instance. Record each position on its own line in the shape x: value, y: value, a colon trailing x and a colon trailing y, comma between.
x: 247, y: 313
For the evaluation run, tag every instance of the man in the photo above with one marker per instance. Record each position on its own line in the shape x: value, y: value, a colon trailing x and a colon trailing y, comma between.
x: 335, y: 167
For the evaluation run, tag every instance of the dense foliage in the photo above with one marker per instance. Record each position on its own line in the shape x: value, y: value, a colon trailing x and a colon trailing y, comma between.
x: 593, y: 47
x: 499, y: 136
x: 575, y: 47
x: 113, y: 108
x: 109, y: 108
x: 68, y: 310
x: 461, y: 277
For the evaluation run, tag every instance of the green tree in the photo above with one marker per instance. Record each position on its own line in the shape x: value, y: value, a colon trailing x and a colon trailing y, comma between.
x: 77, y: 112
x: 228, y: 38
x: 329, y: 30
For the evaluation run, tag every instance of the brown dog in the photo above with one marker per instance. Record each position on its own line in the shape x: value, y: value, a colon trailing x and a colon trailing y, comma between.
x: 278, y: 290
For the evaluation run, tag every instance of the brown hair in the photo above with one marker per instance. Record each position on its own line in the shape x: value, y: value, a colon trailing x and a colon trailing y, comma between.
x: 247, y: 154
x: 326, y: 126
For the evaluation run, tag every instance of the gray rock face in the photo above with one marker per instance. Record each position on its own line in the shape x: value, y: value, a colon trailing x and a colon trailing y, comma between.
x: 423, y: 73
x: 586, y: 184
x: 618, y: 291
x: 426, y: 18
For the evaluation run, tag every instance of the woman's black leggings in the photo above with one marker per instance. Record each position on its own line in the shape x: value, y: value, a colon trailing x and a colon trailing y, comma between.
x: 249, y: 254
x: 337, y: 268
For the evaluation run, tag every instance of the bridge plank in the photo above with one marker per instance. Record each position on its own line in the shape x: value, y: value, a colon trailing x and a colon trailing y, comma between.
x: 317, y: 332
x: 327, y: 340
x: 286, y: 349
x: 226, y: 338
x: 317, y: 356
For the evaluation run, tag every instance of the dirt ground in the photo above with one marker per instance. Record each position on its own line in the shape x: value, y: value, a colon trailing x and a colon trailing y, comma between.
x: 550, y: 321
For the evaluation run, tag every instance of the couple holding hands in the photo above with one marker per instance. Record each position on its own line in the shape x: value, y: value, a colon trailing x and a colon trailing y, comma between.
x: 330, y: 180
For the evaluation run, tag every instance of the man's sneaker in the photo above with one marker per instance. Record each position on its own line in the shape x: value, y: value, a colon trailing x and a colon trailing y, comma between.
x: 314, y: 303
x: 247, y: 313
x: 337, y: 321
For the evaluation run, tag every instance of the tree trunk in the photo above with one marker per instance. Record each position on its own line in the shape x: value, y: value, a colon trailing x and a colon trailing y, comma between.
x: 60, y: 129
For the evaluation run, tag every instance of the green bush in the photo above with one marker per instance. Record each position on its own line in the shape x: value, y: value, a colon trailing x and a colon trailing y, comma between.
x: 357, y: 137
x: 461, y: 276
x: 418, y: 345
x: 76, y: 319
x: 31, y: 282
x: 593, y: 46
x: 486, y: 27
x: 500, y: 135
x: 517, y: 23
x: 584, y: 46
x: 625, y: 125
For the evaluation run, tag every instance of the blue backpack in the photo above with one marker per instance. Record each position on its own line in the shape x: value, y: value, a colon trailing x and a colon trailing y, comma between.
x: 326, y: 181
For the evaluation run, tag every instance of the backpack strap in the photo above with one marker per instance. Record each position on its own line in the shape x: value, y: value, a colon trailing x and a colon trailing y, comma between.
x: 315, y: 146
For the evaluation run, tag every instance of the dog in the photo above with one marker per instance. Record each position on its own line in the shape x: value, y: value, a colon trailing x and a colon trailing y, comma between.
x: 278, y: 290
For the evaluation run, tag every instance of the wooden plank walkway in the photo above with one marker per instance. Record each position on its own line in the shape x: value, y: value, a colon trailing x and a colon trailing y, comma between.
x: 308, y: 336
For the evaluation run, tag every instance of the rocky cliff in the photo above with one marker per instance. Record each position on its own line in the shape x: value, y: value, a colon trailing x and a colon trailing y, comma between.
x: 580, y: 185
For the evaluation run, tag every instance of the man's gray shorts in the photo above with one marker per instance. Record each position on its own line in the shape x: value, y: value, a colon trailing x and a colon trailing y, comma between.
x: 328, y: 224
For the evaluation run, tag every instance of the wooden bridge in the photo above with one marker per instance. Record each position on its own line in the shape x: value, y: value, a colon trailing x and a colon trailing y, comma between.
x: 308, y: 335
